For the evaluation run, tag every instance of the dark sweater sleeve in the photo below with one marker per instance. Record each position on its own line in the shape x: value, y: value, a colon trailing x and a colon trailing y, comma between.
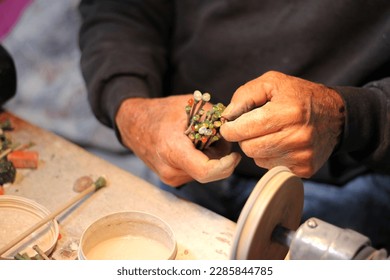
x: 123, y: 45
x: 366, y: 136
x: 7, y: 76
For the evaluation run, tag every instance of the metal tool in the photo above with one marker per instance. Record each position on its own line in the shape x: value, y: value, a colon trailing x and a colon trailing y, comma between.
x: 319, y: 240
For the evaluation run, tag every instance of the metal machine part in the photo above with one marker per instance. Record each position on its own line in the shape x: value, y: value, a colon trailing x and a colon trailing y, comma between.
x: 269, y: 227
x: 319, y: 240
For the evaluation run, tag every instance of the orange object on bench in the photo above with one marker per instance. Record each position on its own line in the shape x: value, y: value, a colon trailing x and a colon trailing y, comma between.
x: 24, y: 159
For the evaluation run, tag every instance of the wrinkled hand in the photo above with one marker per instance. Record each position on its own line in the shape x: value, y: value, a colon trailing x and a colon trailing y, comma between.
x: 154, y: 130
x: 283, y: 120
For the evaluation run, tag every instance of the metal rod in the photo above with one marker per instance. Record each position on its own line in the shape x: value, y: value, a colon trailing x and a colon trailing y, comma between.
x: 283, y: 235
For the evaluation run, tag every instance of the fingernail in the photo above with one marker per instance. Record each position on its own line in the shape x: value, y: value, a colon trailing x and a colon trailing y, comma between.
x: 238, y: 159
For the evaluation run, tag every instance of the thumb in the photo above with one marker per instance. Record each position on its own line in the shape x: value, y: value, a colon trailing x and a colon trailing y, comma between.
x: 218, y: 169
x: 247, y: 97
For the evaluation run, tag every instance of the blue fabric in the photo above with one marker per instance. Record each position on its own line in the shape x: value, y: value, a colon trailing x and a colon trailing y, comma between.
x: 363, y: 204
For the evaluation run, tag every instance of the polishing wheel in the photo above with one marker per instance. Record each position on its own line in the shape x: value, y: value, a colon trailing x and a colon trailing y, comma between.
x: 276, y: 201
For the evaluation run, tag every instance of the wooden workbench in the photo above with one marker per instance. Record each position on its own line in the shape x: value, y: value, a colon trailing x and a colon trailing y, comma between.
x: 200, y: 233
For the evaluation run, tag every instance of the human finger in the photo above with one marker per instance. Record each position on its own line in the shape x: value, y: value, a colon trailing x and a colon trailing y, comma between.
x: 278, y: 143
x: 297, y: 162
x: 247, y: 97
x: 269, y: 118
x: 203, y: 169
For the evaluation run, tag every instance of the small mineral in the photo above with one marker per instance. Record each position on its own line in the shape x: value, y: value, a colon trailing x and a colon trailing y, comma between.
x: 7, y: 171
x: 82, y: 183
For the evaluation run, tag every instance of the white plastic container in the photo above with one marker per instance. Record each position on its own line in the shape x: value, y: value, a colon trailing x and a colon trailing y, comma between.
x: 128, y: 236
x: 17, y: 215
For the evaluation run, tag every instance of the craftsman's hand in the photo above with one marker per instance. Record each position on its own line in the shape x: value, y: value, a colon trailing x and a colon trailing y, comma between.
x: 154, y: 130
x: 283, y: 120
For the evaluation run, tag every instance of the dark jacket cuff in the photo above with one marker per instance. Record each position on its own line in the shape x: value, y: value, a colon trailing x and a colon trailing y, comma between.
x: 361, y: 115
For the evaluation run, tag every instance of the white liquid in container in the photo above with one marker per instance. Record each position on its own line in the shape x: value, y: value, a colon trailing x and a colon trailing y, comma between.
x: 128, y: 247
x: 128, y: 236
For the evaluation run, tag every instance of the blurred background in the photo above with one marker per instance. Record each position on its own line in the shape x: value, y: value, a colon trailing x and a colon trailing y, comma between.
x: 42, y: 38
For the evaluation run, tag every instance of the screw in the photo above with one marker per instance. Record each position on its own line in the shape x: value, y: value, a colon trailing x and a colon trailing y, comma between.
x: 311, y: 223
